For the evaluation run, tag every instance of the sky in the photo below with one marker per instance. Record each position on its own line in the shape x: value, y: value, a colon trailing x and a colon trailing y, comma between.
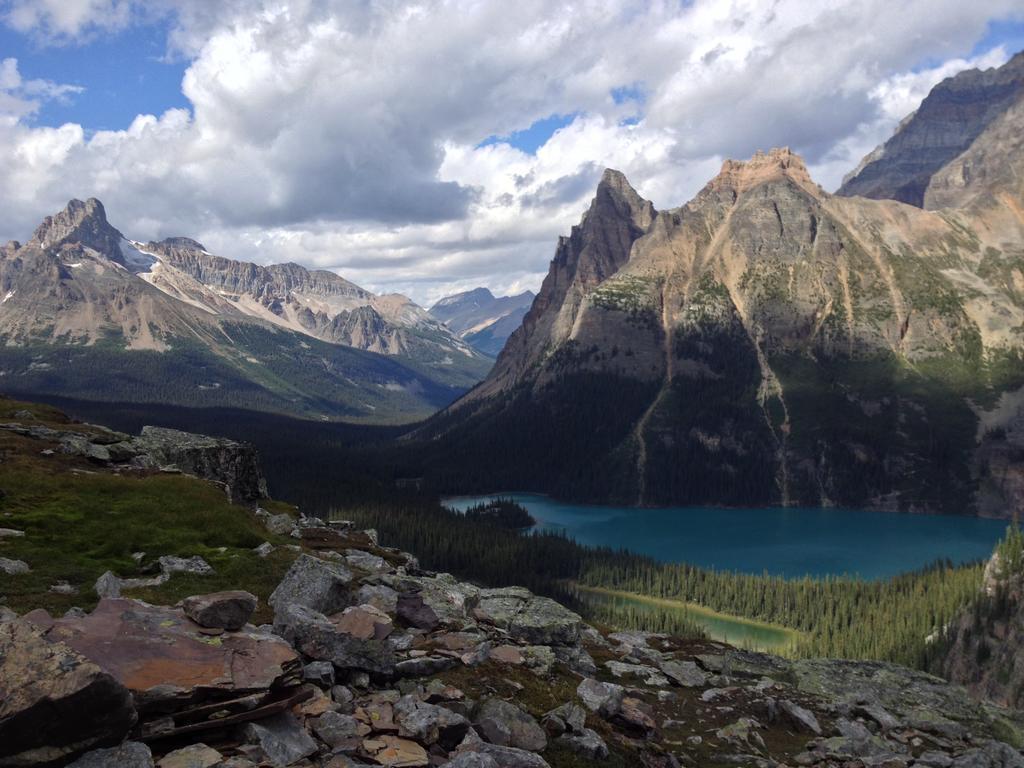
x: 432, y: 147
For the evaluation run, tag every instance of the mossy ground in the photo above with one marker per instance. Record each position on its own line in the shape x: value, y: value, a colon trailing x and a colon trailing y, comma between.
x: 81, y: 520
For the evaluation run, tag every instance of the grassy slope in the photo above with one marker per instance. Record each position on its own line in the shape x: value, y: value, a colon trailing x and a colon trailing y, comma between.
x: 80, y: 521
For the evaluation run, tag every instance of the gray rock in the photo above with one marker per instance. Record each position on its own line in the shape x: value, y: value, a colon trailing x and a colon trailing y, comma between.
x: 13, y: 567
x: 603, y: 698
x: 529, y: 618
x: 471, y: 760
x: 315, y: 584
x: 264, y: 549
x: 335, y: 729
x: 425, y: 666
x: 281, y: 738
x: 507, y: 757
x: 365, y: 561
x: 312, y: 634
x: 379, y: 596
x: 131, y: 754
x: 319, y: 673
x: 684, y: 673
x: 585, y: 743
x: 649, y: 675
x: 282, y: 524
x: 221, y: 610
x: 428, y: 723
x: 63, y: 588
x: 503, y: 723
x: 802, y: 719
x: 10, y: 533
x: 108, y: 585
x: 195, y: 565
x: 568, y: 718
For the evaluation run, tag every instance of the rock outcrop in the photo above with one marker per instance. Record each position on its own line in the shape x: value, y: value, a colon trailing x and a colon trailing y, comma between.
x: 232, y: 465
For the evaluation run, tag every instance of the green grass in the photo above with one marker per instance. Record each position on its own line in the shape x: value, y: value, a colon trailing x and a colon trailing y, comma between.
x: 80, y: 522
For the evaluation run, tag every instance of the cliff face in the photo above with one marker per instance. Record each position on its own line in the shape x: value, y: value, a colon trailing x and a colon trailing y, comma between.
x: 948, y: 122
x: 984, y: 647
x: 793, y: 346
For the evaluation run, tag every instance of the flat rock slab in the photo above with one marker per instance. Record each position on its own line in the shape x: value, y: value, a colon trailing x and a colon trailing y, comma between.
x: 131, y: 754
x: 54, y: 703
x: 161, y: 656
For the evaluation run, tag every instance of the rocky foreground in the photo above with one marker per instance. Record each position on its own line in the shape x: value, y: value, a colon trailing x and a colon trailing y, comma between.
x: 373, y: 661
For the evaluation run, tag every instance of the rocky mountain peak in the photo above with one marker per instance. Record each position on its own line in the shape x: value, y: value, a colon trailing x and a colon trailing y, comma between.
x: 615, y: 196
x: 777, y: 163
x: 955, y: 114
x: 80, y: 222
x: 184, y: 243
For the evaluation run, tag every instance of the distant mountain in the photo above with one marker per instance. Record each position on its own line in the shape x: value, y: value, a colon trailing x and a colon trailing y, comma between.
x: 87, y: 312
x: 481, y: 319
x: 767, y: 343
x: 949, y: 121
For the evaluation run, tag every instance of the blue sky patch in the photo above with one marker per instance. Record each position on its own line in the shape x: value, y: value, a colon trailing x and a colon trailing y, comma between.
x: 124, y: 74
x: 531, y: 139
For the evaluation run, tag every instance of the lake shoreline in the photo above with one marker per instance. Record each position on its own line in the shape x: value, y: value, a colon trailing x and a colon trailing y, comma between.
x: 788, y: 542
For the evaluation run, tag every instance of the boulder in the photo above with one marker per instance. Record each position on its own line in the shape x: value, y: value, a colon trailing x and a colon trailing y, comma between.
x: 315, y: 584
x: 54, y: 702
x: 13, y: 567
x: 603, y: 698
x: 130, y: 754
x: 586, y: 743
x: 802, y: 719
x: 568, y: 718
x: 635, y: 716
x: 529, y: 618
x: 379, y: 596
x: 428, y: 723
x: 506, y: 757
x: 413, y: 610
x: 192, y: 756
x: 318, y: 638
x: 364, y: 622
x: 471, y: 760
x: 281, y: 739
x: 395, y: 752
x: 503, y: 723
x: 684, y: 673
x: 194, y: 565
x: 319, y: 673
x: 221, y: 610
x: 337, y: 730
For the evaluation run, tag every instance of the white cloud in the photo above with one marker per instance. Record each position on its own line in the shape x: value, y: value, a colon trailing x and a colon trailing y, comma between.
x: 345, y: 135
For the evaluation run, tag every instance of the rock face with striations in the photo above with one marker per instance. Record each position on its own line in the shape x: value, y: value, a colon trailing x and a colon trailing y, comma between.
x: 949, y: 120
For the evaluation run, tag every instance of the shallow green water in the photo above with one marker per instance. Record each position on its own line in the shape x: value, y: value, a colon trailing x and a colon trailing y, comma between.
x: 736, y: 631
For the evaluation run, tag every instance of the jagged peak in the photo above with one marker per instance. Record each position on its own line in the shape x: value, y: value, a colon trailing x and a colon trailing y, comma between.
x: 777, y: 163
x: 82, y: 222
x: 615, y: 190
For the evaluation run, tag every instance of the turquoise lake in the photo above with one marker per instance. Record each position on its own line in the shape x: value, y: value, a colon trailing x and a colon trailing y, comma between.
x: 787, y: 541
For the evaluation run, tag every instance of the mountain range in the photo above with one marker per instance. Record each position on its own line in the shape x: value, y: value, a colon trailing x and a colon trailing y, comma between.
x: 481, y: 319
x: 88, y: 312
x: 771, y: 343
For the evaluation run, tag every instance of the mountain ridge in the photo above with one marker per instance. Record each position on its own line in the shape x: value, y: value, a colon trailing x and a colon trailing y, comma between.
x: 80, y: 290
x: 481, y: 318
x: 783, y: 346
